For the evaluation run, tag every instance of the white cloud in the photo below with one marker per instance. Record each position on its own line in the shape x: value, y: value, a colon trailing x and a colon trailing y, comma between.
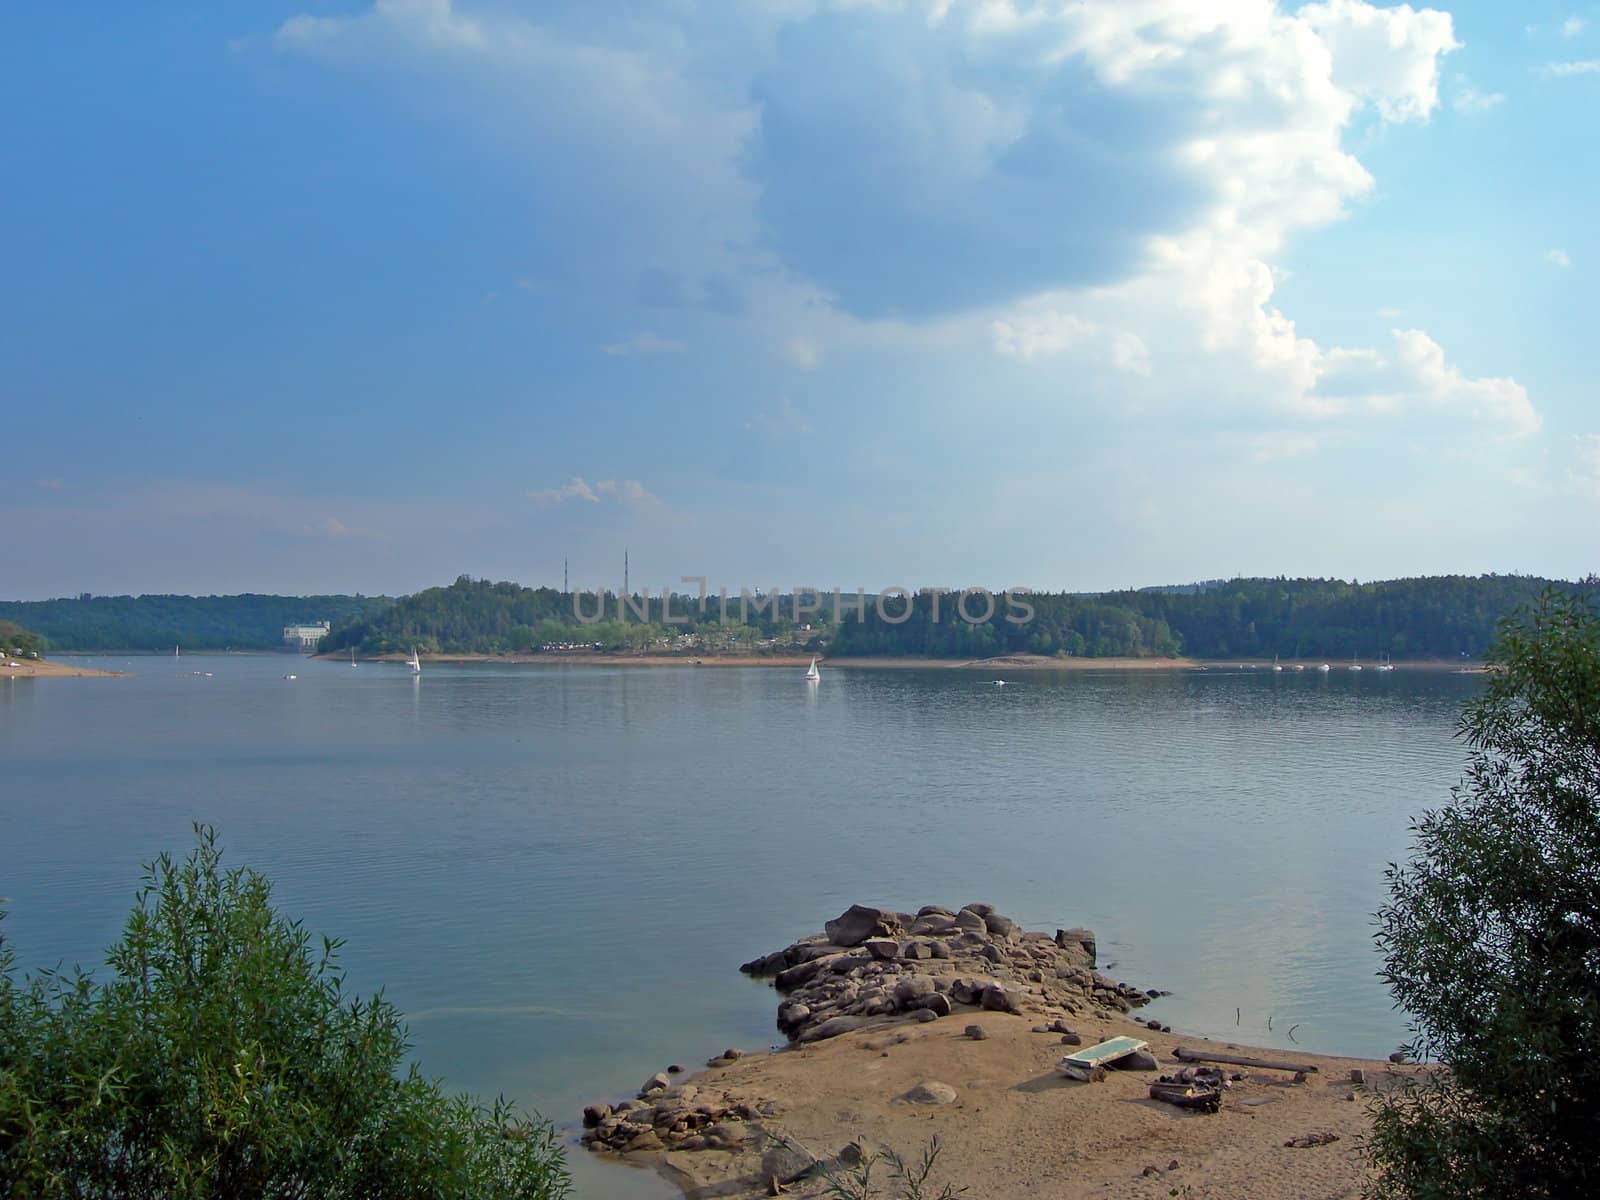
x: 642, y: 343
x: 574, y: 489
x: 1565, y: 70
x: 625, y: 491
x: 1106, y: 183
x: 1572, y: 27
x: 1469, y: 99
x: 1557, y: 258
x: 1584, y: 475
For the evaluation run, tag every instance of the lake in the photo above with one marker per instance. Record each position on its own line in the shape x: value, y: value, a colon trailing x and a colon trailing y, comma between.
x: 554, y: 871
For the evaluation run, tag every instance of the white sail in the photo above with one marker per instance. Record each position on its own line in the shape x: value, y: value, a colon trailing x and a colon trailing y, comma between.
x: 812, y: 672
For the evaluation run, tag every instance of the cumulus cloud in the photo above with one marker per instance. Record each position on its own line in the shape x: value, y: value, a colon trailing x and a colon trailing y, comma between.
x: 624, y: 491
x: 1572, y: 27
x: 1557, y: 258
x: 1104, y: 184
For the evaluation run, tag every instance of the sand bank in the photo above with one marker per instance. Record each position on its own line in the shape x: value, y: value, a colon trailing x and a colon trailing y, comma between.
x: 952, y: 1025
x: 43, y: 668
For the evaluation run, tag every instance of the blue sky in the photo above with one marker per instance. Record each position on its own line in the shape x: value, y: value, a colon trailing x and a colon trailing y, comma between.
x: 339, y: 296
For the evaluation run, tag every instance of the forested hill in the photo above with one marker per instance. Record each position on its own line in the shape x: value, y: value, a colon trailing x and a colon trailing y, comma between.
x: 245, y: 622
x: 1450, y: 616
x: 1437, y: 617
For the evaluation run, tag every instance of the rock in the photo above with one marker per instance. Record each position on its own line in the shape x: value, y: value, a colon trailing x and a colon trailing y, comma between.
x: 936, y: 1003
x: 786, y: 1162
x: 1000, y: 927
x: 1072, y: 1039
x: 859, y: 922
x: 976, y: 1032
x: 971, y: 922
x: 925, y: 1015
x: 1078, y: 941
x: 648, y: 1140
x: 929, y: 910
x: 859, y: 1151
x: 993, y: 954
x: 726, y: 1133
x: 593, y: 1114
x: 940, y: 948
x: 832, y: 1027
x: 675, y: 1069
x: 930, y: 1091
x: 917, y: 950
x: 1139, y: 1060
x: 767, y: 964
x: 983, y: 910
x: 909, y: 987
x: 883, y: 949
x: 999, y: 998
x: 655, y: 1083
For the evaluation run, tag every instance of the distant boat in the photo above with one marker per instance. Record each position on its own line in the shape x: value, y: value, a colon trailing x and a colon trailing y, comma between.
x: 1386, y: 665
x: 812, y: 673
x: 1324, y: 668
x: 1354, y: 665
x: 175, y: 652
x: 352, y: 656
x: 999, y: 683
x: 1299, y: 666
x: 291, y: 677
x: 1275, y: 665
x: 416, y: 663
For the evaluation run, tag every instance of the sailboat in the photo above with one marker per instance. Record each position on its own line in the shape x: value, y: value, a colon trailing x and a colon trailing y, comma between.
x: 175, y: 652
x: 352, y: 656
x: 416, y: 663
x: 1324, y: 668
x: 812, y: 674
x: 1275, y: 665
x: 1354, y: 665
x: 1386, y: 665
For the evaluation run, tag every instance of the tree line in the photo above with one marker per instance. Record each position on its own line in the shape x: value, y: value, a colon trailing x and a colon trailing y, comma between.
x: 247, y: 622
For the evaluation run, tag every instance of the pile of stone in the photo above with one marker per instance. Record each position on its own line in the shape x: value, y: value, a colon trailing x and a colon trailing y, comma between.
x: 666, y: 1116
x: 872, y: 966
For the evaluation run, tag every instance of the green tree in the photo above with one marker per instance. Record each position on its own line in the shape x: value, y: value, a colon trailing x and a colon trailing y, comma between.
x: 223, y: 1059
x: 1491, y: 935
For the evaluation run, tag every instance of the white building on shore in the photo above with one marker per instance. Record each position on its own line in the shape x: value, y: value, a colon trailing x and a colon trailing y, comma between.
x: 304, y: 637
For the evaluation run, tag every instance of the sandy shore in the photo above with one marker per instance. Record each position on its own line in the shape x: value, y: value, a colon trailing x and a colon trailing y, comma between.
x: 1018, y: 1129
x: 43, y: 668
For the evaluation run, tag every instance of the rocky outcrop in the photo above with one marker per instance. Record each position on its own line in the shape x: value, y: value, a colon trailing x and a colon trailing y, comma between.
x: 874, y: 966
x: 678, y: 1118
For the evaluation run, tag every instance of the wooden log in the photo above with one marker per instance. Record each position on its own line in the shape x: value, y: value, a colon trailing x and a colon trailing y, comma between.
x: 1239, y: 1060
x: 1082, y: 1072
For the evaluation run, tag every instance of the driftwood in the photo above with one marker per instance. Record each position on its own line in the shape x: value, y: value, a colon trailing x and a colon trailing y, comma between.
x: 1082, y: 1072
x: 1239, y: 1060
x: 1198, y: 1096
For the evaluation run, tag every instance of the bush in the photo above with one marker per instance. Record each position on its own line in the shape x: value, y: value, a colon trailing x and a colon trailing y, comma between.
x: 223, y: 1059
x: 1492, y: 936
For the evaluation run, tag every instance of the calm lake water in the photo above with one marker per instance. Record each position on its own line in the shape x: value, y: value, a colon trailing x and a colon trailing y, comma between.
x: 555, y: 871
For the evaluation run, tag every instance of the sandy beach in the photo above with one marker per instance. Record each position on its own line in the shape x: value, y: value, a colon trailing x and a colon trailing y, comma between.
x: 43, y: 668
x: 903, y: 1028
x: 1017, y: 1128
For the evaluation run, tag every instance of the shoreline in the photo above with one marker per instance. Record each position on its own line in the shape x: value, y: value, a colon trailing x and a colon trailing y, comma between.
x: 1013, y: 662
x: 957, y: 1032
x: 44, y: 668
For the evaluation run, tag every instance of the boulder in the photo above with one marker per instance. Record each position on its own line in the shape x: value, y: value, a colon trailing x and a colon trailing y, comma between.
x: 930, y: 1091
x: 976, y: 1032
x: 1139, y: 1060
x: 909, y: 987
x: 1001, y: 927
x: 999, y: 998
x: 655, y: 1083
x: 929, y: 910
x: 787, y: 1162
x: 983, y: 910
x: 1080, y: 941
x: 832, y: 1027
x: 860, y: 922
x: 882, y: 949
x: 935, y: 1003
x: 970, y: 921
x: 917, y: 951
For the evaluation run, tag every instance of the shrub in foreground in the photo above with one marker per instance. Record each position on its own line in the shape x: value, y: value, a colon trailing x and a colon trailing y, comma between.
x: 1492, y: 937
x: 223, y: 1059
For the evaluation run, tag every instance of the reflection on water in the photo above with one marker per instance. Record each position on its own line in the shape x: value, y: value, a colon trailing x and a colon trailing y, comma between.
x: 557, y: 869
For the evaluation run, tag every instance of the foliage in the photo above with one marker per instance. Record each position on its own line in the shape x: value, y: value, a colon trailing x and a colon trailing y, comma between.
x: 911, y: 1179
x: 246, y: 622
x: 224, y: 1059
x: 1491, y: 935
x: 15, y: 637
x: 1441, y: 617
